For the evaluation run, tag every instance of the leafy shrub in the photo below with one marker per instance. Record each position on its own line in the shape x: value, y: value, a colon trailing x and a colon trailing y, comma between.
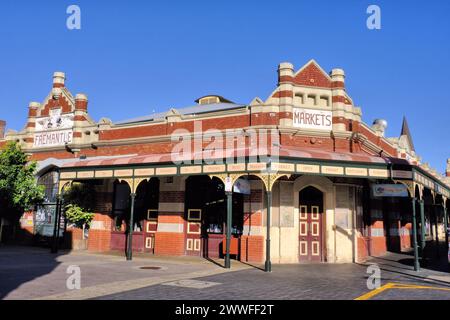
x: 78, y: 216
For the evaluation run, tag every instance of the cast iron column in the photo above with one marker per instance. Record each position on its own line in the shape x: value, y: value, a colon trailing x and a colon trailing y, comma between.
x: 416, y: 253
x: 268, y: 264
x: 131, y: 229
x: 229, y: 217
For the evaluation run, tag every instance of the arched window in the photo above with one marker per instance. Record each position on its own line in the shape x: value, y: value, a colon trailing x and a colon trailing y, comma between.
x: 50, y: 183
x: 45, y: 213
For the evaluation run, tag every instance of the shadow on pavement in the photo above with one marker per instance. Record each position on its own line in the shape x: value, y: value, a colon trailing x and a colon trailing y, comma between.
x: 20, y: 264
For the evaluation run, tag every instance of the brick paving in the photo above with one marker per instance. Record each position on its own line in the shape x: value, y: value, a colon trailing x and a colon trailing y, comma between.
x: 289, y: 282
x: 32, y: 273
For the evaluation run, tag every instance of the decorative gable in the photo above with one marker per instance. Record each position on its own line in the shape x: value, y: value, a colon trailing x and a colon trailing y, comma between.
x: 312, y: 75
x: 63, y: 101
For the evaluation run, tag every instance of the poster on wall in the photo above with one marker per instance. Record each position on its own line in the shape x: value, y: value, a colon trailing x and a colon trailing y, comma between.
x: 44, y: 221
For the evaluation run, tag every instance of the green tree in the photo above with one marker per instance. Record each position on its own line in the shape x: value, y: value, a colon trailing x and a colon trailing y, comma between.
x: 19, y: 190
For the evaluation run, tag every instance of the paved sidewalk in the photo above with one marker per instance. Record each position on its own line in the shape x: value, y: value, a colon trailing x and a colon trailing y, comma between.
x: 402, y: 263
x: 34, y: 273
x: 295, y: 282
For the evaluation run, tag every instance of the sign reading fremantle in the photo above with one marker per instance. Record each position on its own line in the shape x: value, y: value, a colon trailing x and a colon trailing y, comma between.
x: 55, y: 130
x: 312, y: 119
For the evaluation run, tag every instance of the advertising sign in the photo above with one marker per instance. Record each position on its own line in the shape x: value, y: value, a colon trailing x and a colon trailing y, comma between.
x: 389, y: 190
x: 312, y: 119
x: 54, y: 130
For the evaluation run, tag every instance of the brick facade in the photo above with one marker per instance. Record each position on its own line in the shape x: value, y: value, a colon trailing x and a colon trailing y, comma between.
x: 100, y: 234
x: 309, y: 87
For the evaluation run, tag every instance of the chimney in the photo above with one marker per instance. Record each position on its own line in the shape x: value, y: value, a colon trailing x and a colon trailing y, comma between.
x: 2, y: 128
x: 81, y: 102
x: 447, y: 171
x: 58, y: 79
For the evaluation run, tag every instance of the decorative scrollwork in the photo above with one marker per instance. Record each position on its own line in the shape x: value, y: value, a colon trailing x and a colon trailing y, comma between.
x: 137, y: 182
x: 221, y: 176
x: 130, y: 182
x: 63, y: 184
x: 235, y: 176
x: 270, y: 179
x: 410, y: 185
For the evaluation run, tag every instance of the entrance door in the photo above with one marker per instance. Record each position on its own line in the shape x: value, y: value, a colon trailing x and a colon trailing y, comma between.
x: 194, y: 232
x: 150, y: 227
x: 310, y: 225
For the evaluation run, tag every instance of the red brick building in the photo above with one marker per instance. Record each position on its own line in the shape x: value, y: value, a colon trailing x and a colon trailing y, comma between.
x: 336, y: 188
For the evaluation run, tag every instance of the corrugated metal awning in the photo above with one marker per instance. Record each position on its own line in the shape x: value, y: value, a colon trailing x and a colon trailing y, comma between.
x: 284, y: 152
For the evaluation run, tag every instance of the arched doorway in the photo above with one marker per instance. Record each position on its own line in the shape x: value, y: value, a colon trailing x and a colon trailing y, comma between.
x: 45, y: 215
x: 145, y: 218
x: 311, y: 210
x: 146, y: 212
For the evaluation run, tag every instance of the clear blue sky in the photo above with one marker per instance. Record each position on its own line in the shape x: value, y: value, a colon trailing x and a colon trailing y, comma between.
x: 133, y: 57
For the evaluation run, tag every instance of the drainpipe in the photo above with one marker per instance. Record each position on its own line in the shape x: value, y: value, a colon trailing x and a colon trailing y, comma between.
x: 334, y: 140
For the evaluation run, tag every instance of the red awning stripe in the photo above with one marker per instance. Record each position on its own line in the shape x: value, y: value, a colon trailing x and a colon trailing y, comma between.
x: 284, y: 151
